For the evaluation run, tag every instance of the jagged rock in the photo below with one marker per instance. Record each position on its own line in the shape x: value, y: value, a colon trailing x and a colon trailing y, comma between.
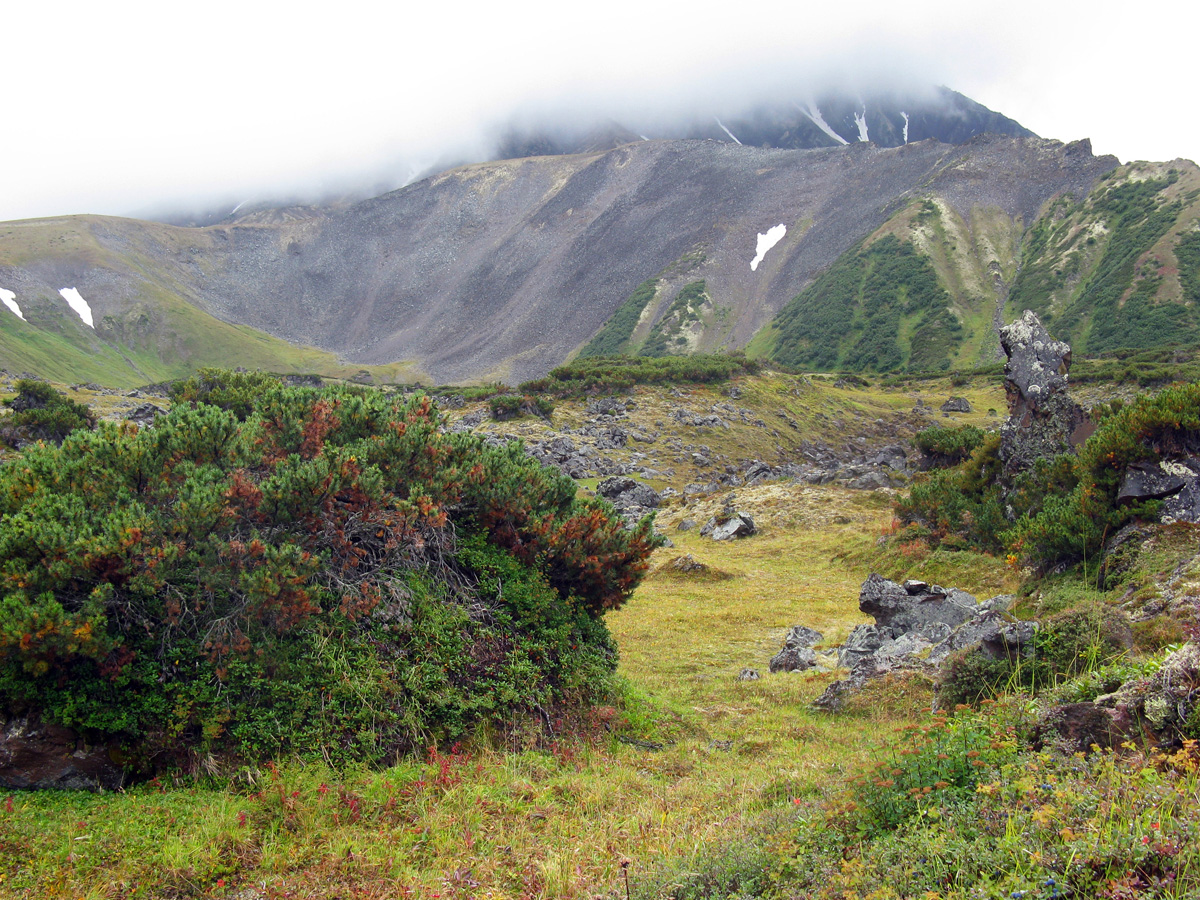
x: 469, y: 421
x: 892, y: 456
x: 748, y: 675
x: 861, y: 643
x: 729, y: 527
x: 931, y: 612
x: 834, y: 697
x: 36, y: 756
x: 797, y: 653
x: 869, y: 481
x: 1043, y: 419
x: 995, y: 634
x: 958, y: 404
x: 918, y: 624
x: 610, y: 406
x: 1177, y: 481
x: 688, y: 565
x: 686, y: 525
x: 908, y: 644
x: 144, y: 415
x: 1153, y: 481
x: 624, y: 491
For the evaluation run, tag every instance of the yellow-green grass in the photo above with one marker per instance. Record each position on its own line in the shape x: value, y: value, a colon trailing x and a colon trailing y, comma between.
x: 685, y: 756
x: 548, y: 821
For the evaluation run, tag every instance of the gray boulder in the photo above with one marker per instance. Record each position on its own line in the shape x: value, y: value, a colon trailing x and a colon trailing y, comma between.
x: 144, y: 415
x: 625, y: 491
x: 929, y: 610
x: 862, y: 642
x: 797, y: 653
x: 917, y: 626
x: 956, y: 404
x: 1175, y: 481
x: 994, y: 633
x: 737, y: 526
x: 1166, y: 700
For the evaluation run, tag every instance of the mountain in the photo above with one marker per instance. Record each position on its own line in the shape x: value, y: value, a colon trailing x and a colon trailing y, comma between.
x: 886, y: 118
x: 504, y: 269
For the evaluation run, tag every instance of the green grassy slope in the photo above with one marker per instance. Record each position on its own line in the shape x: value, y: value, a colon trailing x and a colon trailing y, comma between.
x: 156, y: 332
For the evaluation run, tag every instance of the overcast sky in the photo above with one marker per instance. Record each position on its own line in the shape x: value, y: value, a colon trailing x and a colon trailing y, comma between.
x: 125, y: 107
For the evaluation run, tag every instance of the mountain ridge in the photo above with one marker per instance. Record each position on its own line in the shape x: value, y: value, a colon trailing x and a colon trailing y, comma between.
x: 502, y: 270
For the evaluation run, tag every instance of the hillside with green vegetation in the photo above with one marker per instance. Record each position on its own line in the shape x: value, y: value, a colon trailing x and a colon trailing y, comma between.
x: 878, y: 309
x: 1115, y: 271
x: 1118, y: 269
x: 361, y: 656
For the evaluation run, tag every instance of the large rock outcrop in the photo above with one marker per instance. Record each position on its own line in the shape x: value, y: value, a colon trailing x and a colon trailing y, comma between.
x: 917, y: 626
x: 1042, y: 419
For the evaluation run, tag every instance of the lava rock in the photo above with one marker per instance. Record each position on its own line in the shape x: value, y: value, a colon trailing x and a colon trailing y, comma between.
x: 1043, y: 420
x: 36, y: 756
x: 797, y: 653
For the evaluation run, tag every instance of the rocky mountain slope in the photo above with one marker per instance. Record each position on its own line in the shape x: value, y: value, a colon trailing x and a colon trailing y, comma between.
x: 502, y: 270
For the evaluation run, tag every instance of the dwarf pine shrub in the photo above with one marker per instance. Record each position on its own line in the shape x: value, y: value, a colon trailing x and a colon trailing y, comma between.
x: 42, y: 413
x: 330, y: 573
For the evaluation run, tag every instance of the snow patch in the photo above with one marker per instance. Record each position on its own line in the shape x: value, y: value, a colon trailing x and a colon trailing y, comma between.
x: 236, y: 208
x: 77, y: 303
x: 728, y: 132
x: 905, y: 126
x: 814, y: 115
x: 10, y: 300
x: 765, y: 243
x: 861, y: 122
x: 643, y: 137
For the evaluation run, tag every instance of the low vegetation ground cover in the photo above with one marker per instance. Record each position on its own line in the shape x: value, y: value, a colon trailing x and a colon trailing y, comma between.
x: 683, y: 781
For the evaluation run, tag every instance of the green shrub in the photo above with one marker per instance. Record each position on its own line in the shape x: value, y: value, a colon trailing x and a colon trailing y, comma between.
x: 851, y: 317
x: 949, y: 446
x: 968, y: 677
x: 613, y: 374
x: 961, y: 503
x: 237, y: 392
x: 333, y: 575
x: 1068, y: 645
x: 41, y: 413
x: 613, y: 337
x: 510, y: 406
x: 1072, y: 528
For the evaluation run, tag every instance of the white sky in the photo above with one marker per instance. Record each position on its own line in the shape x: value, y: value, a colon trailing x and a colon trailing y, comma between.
x: 123, y: 107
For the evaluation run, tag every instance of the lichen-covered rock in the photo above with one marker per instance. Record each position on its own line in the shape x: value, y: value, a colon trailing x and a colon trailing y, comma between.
x: 736, y: 526
x: 1078, y: 728
x: 1175, y: 481
x: 1166, y: 701
x: 918, y: 626
x: 1043, y: 420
